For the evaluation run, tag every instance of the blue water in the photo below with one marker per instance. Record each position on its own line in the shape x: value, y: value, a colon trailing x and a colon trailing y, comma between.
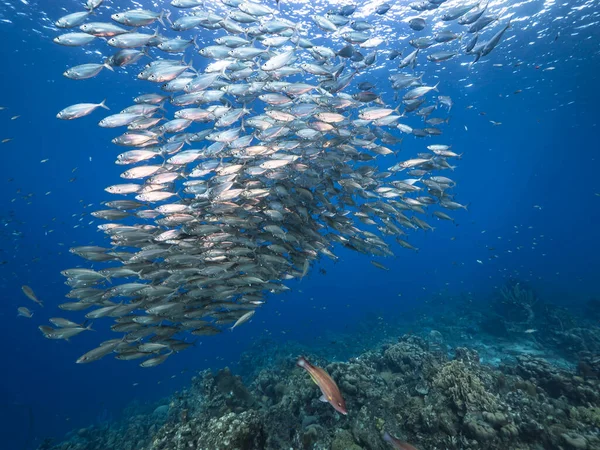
x: 531, y: 184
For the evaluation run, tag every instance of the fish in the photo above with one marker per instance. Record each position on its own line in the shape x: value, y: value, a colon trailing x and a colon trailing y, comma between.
x: 481, y: 23
x: 417, y: 23
x: 397, y: 443
x: 63, y: 323
x: 458, y: 11
x: 383, y: 8
x: 85, y: 71
x: 139, y: 17
x: 379, y: 265
x: 80, y: 110
x: 329, y: 389
x: 63, y: 333
x: 155, y: 361
x: 243, y: 319
x: 494, y: 40
x: 102, y: 29
x: 95, y: 354
x: 245, y: 168
x: 72, y: 20
x: 31, y: 295
x: 441, y: 56
x: 131, y: 40
x: 24, y: 312
x: 74, y: 39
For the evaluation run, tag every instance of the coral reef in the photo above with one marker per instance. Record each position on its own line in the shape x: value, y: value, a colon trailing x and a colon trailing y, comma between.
x: 514, y: 373
x: 411, y: 388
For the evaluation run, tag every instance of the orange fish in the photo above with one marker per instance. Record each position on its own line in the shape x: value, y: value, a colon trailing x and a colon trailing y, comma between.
x: 397, y: 443
x: 330, y: 390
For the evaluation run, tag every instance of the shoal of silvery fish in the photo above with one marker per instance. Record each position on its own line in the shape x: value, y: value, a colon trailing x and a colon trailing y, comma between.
x: 266, y: 164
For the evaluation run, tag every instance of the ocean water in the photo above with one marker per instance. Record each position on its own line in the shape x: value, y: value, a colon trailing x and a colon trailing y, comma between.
x: 530, y: 182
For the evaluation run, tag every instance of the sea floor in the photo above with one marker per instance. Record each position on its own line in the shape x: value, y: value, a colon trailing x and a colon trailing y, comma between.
x: 466, y: 383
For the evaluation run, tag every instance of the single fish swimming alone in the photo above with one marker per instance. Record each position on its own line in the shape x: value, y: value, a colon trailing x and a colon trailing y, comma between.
x: 330, y: 390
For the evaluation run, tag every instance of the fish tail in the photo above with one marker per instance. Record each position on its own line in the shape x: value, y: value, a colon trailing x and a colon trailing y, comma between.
x: 107, y: 65
x: 103, y: 104
x: 161, y: 17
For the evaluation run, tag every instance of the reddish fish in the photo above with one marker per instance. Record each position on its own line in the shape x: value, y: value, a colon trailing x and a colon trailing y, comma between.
x: 397, y: 443
x: 330, y: 390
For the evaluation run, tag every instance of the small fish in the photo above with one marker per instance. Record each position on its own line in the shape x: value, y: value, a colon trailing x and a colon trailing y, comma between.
x: 530, y: 331
x: 417, y: 23
x: 245, y: 318
x: 85, y: 71
x: 397, y: 443
x: 63, y: 333
x: 152, y: 362
x: 31, y: 295
x: 91, y: 5
x: 95, y: 354
x: 330, y: 390
x: 441, y: 56
x: 379, y: 265
x: 63, y: 323
x: 80, y: 110
x: 24, y: 312
x: 74, y: 39
x: 72, y: 20
x: 382, y: 9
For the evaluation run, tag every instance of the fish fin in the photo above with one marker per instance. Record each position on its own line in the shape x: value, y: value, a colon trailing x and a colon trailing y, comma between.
x: 108, y: 66
x: 89, y: 327
x: 161, y: 17
x: 103, y: 104
x: 323, y: 399
x: 145, y: 52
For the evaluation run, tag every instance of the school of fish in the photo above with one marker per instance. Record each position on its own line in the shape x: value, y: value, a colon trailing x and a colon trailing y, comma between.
x: 249, y: 158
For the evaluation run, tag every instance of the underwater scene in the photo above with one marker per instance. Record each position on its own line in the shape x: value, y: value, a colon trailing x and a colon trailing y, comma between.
x: 308, y: 224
